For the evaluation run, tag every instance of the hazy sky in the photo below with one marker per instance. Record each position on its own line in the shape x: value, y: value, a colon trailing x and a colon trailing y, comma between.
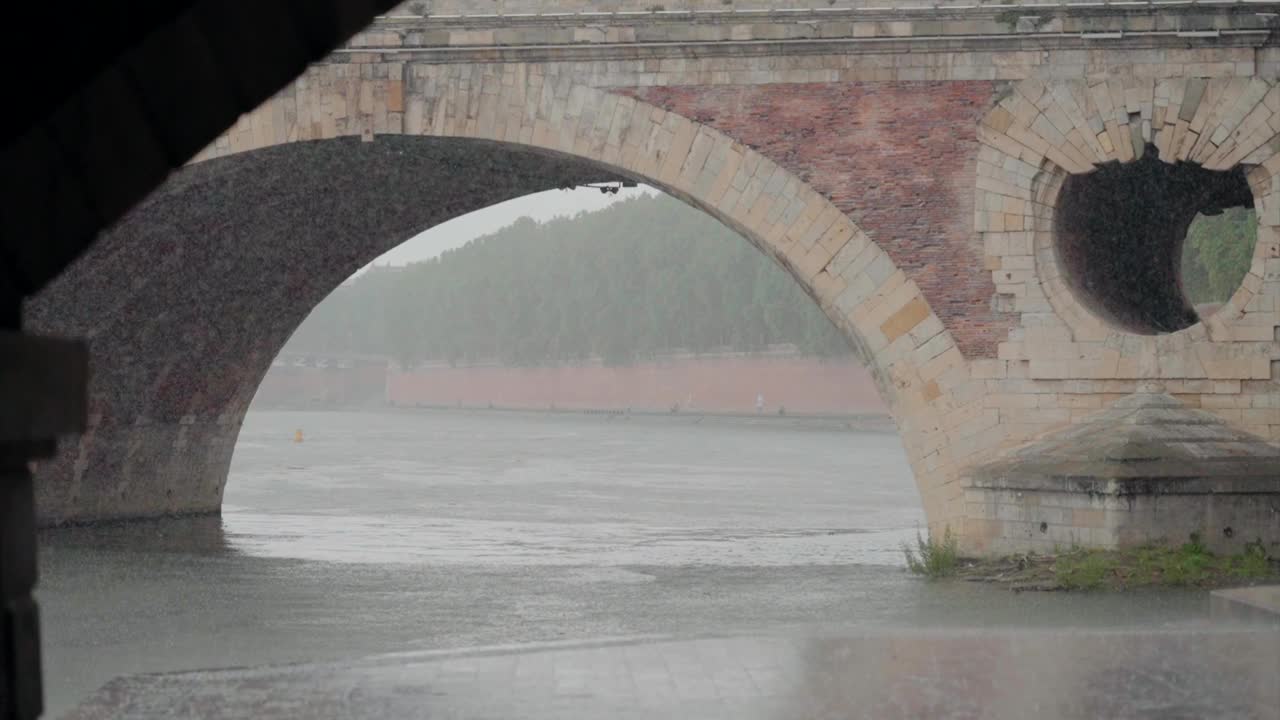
x: 541, y: 206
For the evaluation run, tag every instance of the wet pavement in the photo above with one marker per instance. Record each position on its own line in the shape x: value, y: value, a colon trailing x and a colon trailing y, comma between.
x: 1028, y: 674
x: 412, y: 532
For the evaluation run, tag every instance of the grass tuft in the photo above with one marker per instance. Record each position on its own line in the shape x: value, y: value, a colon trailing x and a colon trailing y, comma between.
x: 1191, y: 565
x: 931, y: 558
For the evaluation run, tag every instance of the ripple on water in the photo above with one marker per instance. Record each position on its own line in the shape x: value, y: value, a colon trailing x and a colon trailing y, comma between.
x: 454, y: 541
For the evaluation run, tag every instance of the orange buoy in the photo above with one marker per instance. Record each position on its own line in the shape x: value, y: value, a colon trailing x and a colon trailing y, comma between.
x: 297, y: 435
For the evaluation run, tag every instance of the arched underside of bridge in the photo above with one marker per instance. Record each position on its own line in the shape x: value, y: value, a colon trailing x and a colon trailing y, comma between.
x: 186, y: 301
x: 189, y: 298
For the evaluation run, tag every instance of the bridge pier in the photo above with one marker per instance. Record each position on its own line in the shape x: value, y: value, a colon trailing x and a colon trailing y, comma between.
x: 1147, y: 470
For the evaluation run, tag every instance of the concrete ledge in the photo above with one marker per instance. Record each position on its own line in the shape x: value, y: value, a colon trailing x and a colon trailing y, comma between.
x: 1251, y: 604
x: 1148, y: 470
x: 1003, y: 521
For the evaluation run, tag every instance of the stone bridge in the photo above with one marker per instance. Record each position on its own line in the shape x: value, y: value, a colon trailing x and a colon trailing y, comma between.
x: 990, y: 201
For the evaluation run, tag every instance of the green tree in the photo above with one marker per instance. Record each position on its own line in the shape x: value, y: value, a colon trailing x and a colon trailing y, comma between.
x: 642, y: 277
x: 1217, y: 254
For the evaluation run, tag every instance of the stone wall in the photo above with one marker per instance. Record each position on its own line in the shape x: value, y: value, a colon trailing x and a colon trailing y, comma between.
x: 1226, y: 516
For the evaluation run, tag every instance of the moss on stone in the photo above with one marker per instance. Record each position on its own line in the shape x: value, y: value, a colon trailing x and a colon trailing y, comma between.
x: 1191, y: 565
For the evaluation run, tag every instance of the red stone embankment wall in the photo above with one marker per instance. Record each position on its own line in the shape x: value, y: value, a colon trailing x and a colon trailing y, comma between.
x: 801, y: 385
x: 300, y: 387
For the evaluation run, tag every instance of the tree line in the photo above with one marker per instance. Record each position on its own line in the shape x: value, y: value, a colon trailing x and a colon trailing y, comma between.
x: 641, y: 278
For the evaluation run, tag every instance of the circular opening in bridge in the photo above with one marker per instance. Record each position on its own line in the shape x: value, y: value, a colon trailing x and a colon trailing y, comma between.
x: 1125, y: 249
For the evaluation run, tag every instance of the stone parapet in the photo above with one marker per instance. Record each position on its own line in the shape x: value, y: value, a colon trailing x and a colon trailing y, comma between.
x: 811, y: 31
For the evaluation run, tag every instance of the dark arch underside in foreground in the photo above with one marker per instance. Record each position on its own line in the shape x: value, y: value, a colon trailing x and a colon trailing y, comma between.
x: 187, y: 300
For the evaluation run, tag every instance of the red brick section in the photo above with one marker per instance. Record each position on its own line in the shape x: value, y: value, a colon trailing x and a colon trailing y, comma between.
x: 899, y: 158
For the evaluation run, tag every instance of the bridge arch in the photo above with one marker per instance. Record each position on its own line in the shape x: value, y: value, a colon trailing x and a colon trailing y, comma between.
x: 185, y: 310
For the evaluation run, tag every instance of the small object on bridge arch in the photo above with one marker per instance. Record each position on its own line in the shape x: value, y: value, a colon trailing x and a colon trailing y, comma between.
x: 297, y: 435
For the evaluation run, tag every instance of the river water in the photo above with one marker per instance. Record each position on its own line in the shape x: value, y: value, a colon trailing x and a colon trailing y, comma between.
x: 400, y: 531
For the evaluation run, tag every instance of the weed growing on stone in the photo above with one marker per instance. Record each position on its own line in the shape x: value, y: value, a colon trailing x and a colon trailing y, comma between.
x: 1082, y: 570
x: 1252, y: 564
x: 931, y: 558
x: 1191, y: 565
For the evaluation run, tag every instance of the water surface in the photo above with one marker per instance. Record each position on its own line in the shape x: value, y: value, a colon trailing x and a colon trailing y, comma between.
x: 401, y: 531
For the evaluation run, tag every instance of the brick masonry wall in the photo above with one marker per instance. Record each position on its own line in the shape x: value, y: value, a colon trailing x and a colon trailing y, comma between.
x: 898, y: 158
